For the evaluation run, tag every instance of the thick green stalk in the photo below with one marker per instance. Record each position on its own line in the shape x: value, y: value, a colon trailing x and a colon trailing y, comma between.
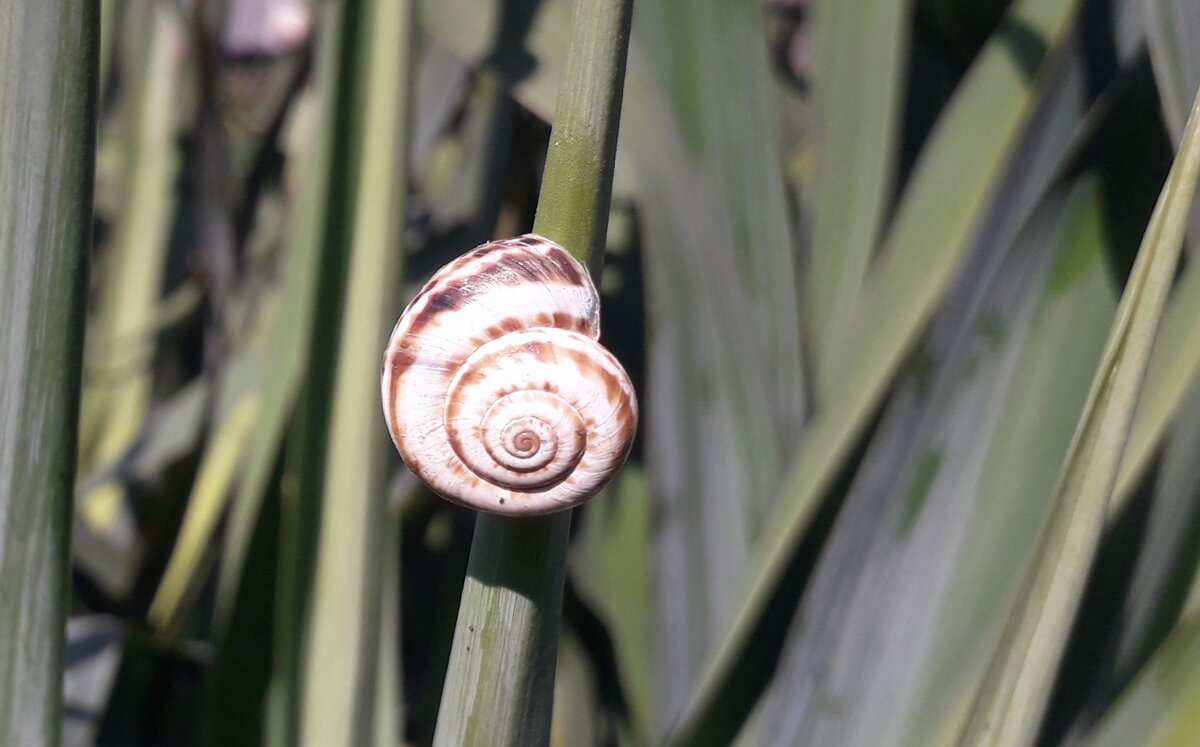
x: 577, y: 185
x: 500, y: 685
x: 48, y: 63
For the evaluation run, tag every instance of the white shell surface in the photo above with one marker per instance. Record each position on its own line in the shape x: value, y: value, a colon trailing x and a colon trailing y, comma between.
x: 495, y: 390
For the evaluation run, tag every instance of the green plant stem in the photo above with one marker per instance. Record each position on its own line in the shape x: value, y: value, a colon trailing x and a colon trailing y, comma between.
x: 48, y: 62
x: 500, y: 685
x: 577, y: 185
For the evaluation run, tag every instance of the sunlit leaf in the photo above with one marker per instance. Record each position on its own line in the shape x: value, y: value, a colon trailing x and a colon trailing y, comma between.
x: 1015, y: 693
x: 937, y: 215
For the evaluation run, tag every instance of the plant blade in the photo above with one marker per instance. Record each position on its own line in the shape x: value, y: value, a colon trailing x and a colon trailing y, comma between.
x: 931, y: 231
x: 858, y: 75
x: 341, y: 658
x: 1173, y: 37
x: 1014, y: 695
x: 48, y: 59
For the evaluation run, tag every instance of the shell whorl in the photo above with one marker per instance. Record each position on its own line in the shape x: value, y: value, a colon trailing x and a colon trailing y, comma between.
x: 495, y: 389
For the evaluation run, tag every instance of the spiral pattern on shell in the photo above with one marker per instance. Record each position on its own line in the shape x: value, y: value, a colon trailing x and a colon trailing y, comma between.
x: 495, y: 389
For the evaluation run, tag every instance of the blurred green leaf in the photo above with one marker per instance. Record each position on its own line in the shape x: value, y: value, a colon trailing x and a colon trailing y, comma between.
x: 117, y: 389
x: 206, y: 505
x: 388, y: 723
x: 610, y: 564
x: 280, y: 373
x: 1042, y: 405
x: 574, y: 721
x: 304, y: 351
x: 1160, y: 708
x: 1174, y: 364
x: 1173, y: 37
x: 905, y: 641
x: 341, y: 664
x: 724, y: 398
x: 864, y: 632
x: 858, y: 74
x: 1165, y: 567
x: 941, y: 207
x: 1014, y: 694
x: 511, y: 34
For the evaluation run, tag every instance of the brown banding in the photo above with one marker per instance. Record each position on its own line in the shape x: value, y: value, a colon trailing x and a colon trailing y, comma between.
x: 520, y: 265
x: 591, y: 369
x: 503, y: 327
x: 566, y: 320
x: 438, y: 281
x: 447, y: 291
x: 485, y: 249
x: 628, y: 424
x: 400, y: 360
x: 614, y: 391
x: 446, y: 300
x: 471, y: 377
x: 565, y: 266
x: 514, y: 268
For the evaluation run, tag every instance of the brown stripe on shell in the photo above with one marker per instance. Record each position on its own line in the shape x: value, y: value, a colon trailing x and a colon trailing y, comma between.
x: 513, y: 267
x: 457, y: 468
x: 559, y: 320
x: 503, y: 327
x: 568, y: 321
x: 566, y: 266
x: 446, y: 275
x: 438, y: 281
x: 485, y: 249
x: 613, y: 390
x: 399, y: 361
x: 523, y: 266
x: 628, y: 424
x: 447, y: 299
x: 472, y: 376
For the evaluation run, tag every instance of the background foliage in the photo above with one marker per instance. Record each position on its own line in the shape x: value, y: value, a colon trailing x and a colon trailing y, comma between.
x: 863, y: 259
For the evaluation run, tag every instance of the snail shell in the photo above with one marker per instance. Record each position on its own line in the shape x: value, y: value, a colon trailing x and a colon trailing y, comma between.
x: 495, y: 389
